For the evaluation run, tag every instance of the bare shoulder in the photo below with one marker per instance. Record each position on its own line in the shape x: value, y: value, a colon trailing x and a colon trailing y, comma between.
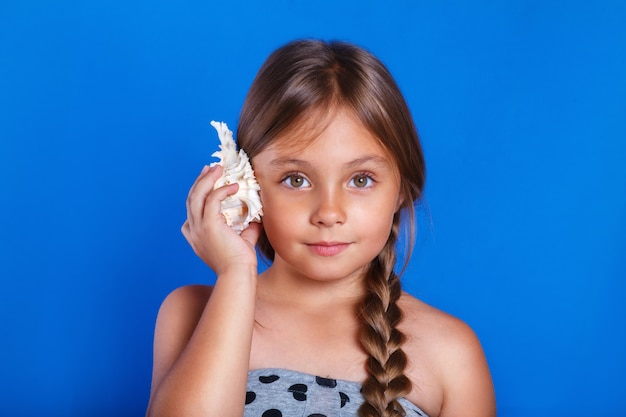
x: 191, y: 297
x: 179, y: 314
x: 446, y: 362
x: 441, y: 329
x: 178, y: 317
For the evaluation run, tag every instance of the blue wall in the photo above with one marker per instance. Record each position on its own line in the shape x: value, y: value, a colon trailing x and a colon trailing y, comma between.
x: 104, y: 124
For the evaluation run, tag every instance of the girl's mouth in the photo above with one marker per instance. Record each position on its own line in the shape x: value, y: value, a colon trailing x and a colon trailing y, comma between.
x: 327, y: 248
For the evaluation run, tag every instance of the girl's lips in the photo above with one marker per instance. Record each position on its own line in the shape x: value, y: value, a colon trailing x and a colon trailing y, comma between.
x: 327, y: 248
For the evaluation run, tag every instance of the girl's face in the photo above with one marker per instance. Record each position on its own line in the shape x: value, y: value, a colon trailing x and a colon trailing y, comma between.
x: 328, y: 204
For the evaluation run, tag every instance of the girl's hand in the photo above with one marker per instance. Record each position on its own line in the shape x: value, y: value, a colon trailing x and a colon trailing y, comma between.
x: 219, y: 246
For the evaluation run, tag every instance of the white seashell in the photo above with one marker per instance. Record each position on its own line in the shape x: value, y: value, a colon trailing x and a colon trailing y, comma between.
x: 245, y: 206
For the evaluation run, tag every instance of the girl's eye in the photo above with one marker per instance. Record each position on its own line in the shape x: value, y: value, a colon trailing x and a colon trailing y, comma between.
x: 362, y: 181
x: 296, y: 181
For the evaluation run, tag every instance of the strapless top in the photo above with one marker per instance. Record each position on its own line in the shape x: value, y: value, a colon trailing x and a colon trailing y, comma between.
x: 273, y: 392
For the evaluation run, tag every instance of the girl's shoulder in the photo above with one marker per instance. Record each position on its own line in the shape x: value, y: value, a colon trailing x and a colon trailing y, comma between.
x: 178, y: 317
x: 194, y: 294
x: 181, y: 310
x: 446, y: 359
x: 423, y: 319
x: 435, y: 333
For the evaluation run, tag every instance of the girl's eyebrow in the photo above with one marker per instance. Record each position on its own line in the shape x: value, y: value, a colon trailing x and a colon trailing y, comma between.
x: 367, y: 159
x: 282, y: 162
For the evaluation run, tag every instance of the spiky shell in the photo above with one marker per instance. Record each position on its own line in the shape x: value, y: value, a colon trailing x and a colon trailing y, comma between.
x: 245, y: 206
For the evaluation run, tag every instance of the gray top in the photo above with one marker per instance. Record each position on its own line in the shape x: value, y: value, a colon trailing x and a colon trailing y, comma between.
x: 284, y: 393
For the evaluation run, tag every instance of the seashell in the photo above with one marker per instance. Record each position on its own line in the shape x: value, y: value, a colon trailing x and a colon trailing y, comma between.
x: 245, y: 206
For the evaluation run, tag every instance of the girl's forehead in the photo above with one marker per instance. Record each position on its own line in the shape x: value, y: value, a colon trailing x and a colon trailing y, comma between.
x: 303, y: 132
x: 342, y: 139
x: 335, y: 121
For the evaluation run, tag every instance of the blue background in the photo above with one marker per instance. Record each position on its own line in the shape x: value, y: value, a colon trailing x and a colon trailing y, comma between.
x: 104, y: 124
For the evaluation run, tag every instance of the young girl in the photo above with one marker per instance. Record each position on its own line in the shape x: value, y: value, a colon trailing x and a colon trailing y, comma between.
x: 326, y: 329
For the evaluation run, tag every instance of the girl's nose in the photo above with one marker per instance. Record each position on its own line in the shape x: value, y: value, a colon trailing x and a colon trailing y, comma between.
x: 328, y: 210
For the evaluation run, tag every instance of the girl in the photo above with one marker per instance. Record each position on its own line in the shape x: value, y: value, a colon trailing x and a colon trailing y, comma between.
x: 326, y: 329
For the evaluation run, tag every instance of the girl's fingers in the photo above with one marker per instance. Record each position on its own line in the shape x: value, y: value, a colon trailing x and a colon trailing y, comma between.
x: 252, y: 233
x: 212, y: 205
x: 199, y: 191
x: 185, y: 229
x: 204, y: 202
x: 206, y: 230
x: 205, y: 170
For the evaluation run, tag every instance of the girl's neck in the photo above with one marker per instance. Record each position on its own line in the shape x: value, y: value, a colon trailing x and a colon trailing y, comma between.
x: 306, y: 324
x: 282, y: 286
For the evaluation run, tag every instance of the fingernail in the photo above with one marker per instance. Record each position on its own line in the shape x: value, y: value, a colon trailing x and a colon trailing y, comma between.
x: 205, y: 169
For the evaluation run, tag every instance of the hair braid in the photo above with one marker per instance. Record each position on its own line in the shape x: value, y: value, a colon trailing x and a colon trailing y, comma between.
x: 380, y: 337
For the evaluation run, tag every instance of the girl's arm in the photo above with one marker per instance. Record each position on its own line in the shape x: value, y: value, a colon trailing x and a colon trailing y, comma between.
x: 203, y: 335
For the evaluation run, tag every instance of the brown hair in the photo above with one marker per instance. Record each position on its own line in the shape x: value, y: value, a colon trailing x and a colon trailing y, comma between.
x: 312, y: 78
